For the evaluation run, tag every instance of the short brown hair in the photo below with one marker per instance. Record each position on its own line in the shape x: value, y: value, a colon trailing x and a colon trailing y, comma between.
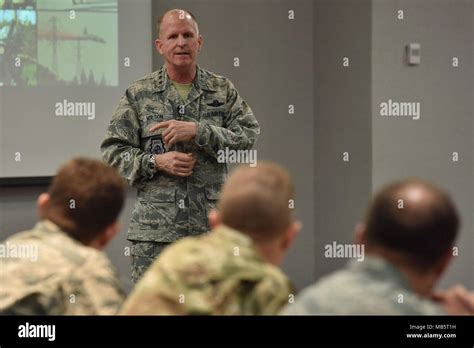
x: 86, y: 196
x: 423, y: 230
x: 255, y: 201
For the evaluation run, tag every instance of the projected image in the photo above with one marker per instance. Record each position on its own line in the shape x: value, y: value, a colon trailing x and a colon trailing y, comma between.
x: 59, y: 42
x: 77, y: 42
x: 17, y: 4
x: 17, y: 43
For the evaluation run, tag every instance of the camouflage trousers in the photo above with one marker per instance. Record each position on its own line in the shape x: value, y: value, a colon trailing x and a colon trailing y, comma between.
x: 143, y: 254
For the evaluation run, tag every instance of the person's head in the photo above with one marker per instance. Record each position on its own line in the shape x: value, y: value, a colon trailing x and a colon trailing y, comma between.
x: 84, y: 200
x: 178, y: 39
x: 256, y: 201
x: 414, y: 224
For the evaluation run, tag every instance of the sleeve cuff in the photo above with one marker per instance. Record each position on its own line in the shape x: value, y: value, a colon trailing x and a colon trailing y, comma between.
x: 149, y: 168
x: 202, y: 135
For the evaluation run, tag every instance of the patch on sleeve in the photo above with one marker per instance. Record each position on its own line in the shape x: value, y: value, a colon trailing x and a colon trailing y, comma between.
x: 157, y: 146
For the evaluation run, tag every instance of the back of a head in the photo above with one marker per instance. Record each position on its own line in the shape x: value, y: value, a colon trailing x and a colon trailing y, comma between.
x: 255, y: 201
x: 415, y: 219
x: 86, y: 196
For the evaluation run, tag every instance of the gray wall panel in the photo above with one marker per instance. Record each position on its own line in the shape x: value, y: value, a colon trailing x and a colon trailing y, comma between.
x: 423, y: 148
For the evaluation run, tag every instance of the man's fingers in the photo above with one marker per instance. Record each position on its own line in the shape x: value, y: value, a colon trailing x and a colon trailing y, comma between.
x: 438, y: 296
x: 173, y: 140
x: 159, y: 125
x: 184, y: 157
x: 466, y: 298
x: 456, y: 300
x: 184, y: 165
x: 179, y: 164
x: 183, y: 172
x: 166, y: 132
x: 167, y: 138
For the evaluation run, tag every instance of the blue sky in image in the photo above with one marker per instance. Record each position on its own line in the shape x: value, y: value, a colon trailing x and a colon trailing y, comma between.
x: 24, y: 16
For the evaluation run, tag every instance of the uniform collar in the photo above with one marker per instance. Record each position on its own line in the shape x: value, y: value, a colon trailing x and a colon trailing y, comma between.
x: 201, y: 82
x: 380, y: 268
x: 233, y: 235
x: 50, y: 227
x: 235, y: 238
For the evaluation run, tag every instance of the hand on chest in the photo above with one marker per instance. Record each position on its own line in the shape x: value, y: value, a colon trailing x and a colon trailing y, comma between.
x: 203, y: 108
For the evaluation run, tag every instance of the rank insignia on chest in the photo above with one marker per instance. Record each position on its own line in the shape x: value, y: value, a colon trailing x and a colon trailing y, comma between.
x: 157, y: 147
x: 215, y: 103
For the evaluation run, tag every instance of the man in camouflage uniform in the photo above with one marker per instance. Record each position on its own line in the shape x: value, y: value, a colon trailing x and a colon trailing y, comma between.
x: 408, y: 248
x: 165, y: 136
x: 58, y: 266
x: 233, y: 269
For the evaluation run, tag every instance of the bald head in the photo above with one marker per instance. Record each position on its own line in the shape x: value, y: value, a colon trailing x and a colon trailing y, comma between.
x: 174, y: 15
x: 255, y: 201
x: 414, y: 218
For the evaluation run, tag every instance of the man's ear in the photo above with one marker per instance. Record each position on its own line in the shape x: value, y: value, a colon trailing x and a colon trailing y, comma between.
x: 214, y: 218
x: 112, y: 231
x: 200, y: 42
x: 158, y: 45
x: 290, y: 234
x: 106, y: 236
x: 42, y: 202
x: 360, y: 233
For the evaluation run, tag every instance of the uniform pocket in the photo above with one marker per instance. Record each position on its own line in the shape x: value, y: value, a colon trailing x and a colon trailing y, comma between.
x: 212, y: 197
x: 156, y: 209
x: 211, y: 193
x: 213, y: 118
x: 143, y: 249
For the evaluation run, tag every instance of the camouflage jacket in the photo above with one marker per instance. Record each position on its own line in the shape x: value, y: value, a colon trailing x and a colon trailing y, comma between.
x: 45, y: 272
x: 170, y: 207
x: 217, y: 273
x: 369, y: 287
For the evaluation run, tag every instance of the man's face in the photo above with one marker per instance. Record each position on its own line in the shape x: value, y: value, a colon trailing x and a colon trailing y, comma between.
x: 179, y: 42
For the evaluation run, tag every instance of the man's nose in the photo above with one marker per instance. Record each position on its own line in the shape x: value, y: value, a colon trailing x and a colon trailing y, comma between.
x: 181, y: 40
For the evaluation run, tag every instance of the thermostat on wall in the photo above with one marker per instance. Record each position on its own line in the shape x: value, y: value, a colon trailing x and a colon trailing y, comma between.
x: 414, y: 53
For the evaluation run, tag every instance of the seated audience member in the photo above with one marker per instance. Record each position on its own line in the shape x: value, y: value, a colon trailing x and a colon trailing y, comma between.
x: 58, y: 266
x: 408, y: 239
x: 232, y: 269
